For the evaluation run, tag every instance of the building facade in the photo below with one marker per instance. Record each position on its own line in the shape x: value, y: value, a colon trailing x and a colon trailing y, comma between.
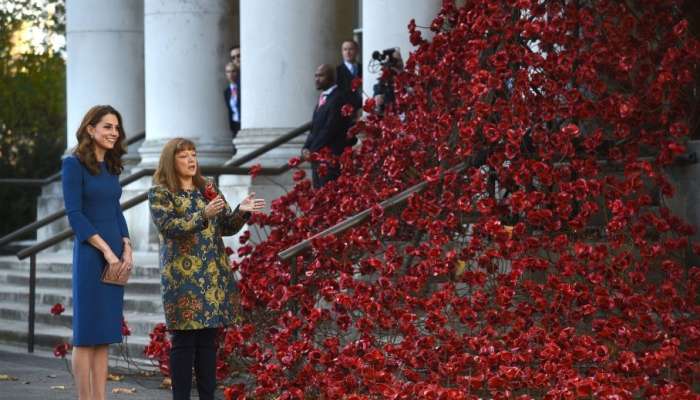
x: 161, y: 63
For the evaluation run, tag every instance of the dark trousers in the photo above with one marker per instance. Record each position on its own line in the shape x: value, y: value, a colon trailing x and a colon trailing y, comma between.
x: 193, y: 346
x: 332, y: 173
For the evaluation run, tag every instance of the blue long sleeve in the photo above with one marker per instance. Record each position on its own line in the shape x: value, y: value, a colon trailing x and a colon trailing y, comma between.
x: 72, y: 177
x: 123, y: 228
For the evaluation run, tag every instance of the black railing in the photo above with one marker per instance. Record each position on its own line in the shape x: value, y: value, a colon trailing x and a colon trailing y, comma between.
x: 354, y: 220
x: 57, y: 176
x: 232, y: 167
x: 360, y: 217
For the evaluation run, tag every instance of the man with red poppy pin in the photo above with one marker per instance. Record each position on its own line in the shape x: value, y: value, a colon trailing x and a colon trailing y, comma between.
x: 329, y: 125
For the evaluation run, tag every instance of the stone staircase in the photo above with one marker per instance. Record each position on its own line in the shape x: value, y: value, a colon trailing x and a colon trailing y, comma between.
x: 50, y: 201
x: 143, y: 307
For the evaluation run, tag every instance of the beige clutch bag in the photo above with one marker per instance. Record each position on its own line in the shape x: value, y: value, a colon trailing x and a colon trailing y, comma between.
x: 113, y: 274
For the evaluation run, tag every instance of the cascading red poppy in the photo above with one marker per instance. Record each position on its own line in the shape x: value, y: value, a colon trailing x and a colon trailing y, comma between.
x: 549, y: 267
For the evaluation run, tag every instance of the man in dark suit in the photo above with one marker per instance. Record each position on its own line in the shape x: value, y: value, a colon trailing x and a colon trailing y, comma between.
x: 232, y: 95
x: 349, y: 69
x: 328, y: 125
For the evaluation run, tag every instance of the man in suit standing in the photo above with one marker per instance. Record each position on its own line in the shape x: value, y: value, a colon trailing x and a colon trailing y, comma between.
x: 349, y: 69
x: 232, y: 95
x: 328, y: 125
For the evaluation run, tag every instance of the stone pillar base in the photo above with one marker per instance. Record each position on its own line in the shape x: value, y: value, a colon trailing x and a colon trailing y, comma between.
x: 249, y: 140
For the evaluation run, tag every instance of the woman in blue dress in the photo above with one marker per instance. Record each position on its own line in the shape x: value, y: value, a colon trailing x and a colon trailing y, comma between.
x: 91, y: 193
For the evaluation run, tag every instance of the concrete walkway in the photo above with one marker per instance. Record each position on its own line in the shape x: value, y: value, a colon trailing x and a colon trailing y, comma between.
x: 40, y: 377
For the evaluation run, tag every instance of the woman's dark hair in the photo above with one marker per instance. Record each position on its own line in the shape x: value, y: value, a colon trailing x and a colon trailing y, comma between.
x: 85, y: 150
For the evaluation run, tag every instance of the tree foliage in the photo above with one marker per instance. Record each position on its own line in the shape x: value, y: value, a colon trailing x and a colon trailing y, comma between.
x: 32, y: 102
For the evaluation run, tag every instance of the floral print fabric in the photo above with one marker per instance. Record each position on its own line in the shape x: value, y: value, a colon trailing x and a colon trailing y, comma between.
x: 198, y: 287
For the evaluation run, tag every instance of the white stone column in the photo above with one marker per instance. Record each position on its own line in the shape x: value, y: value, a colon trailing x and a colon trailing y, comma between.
x: 104, y: 61
x: 385, y: 24
x: 104, y: 43
x: 282, y: 43
x: 187, y: 45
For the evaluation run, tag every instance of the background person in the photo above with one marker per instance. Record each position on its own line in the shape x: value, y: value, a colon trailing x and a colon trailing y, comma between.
x: 328, y: 124
x: 349, y: 69
x: 232, y: 97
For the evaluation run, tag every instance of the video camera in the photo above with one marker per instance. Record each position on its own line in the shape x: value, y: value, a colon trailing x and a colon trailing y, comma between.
x: 389, y: 62
x: 387, y: 57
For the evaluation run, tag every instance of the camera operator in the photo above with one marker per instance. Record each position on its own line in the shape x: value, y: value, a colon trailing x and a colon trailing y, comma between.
x: 384, y: 90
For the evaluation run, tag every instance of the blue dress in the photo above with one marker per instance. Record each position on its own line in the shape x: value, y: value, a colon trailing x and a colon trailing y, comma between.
x: 92, y: 205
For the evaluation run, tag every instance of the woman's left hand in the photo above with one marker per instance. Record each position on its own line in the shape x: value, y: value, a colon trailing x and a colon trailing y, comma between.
x: 127, y: 258
x: 251, y: 204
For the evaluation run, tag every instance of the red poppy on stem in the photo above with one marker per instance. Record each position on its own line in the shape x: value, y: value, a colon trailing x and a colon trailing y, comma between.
x: 235, y: 392
x: 57, y: 309
x: 210, y: 192
x: 61, y: 350
x: 347, y: 110
x: 255, y: 170
x: 356, y: 83
x: 125, y: 328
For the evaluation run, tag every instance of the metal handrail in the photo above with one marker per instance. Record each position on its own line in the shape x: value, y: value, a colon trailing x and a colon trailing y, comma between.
x: 358, y: 218
x: 269, y: 146
x: 67, y: 233
x: 232, y: 167
x: 141, y: 197
x: 342, y: 226
x: 228, y: 168
x: 57, y: 176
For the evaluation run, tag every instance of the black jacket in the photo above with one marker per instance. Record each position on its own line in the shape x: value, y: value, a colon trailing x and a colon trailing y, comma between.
x: 344, y: 78
x: 329, y: 127
x: 235, y: 126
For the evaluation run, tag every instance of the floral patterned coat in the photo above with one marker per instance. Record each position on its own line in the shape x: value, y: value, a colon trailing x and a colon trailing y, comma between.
x: 198, y: 286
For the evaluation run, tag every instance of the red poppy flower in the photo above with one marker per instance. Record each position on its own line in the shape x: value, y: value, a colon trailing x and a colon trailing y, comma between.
x: 57, y: 309
x: 210, y: 192
x: 61, y: 350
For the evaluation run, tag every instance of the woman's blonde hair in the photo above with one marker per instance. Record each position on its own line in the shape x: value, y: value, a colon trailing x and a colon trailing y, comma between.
x: 166, y: 174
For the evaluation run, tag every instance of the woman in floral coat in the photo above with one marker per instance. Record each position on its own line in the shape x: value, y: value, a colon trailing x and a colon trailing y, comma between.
x: 198, y: 285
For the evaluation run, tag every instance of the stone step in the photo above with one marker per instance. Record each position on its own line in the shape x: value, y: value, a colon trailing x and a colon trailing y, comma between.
x: 143, y: 307
x: 140, y: 324
x: 53, y: 189
x: 47, y: 336
x: 63, y: 280
x: 143, y: 303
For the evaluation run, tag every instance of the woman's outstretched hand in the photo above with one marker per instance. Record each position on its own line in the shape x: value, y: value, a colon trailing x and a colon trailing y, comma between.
x: 251, y: 204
